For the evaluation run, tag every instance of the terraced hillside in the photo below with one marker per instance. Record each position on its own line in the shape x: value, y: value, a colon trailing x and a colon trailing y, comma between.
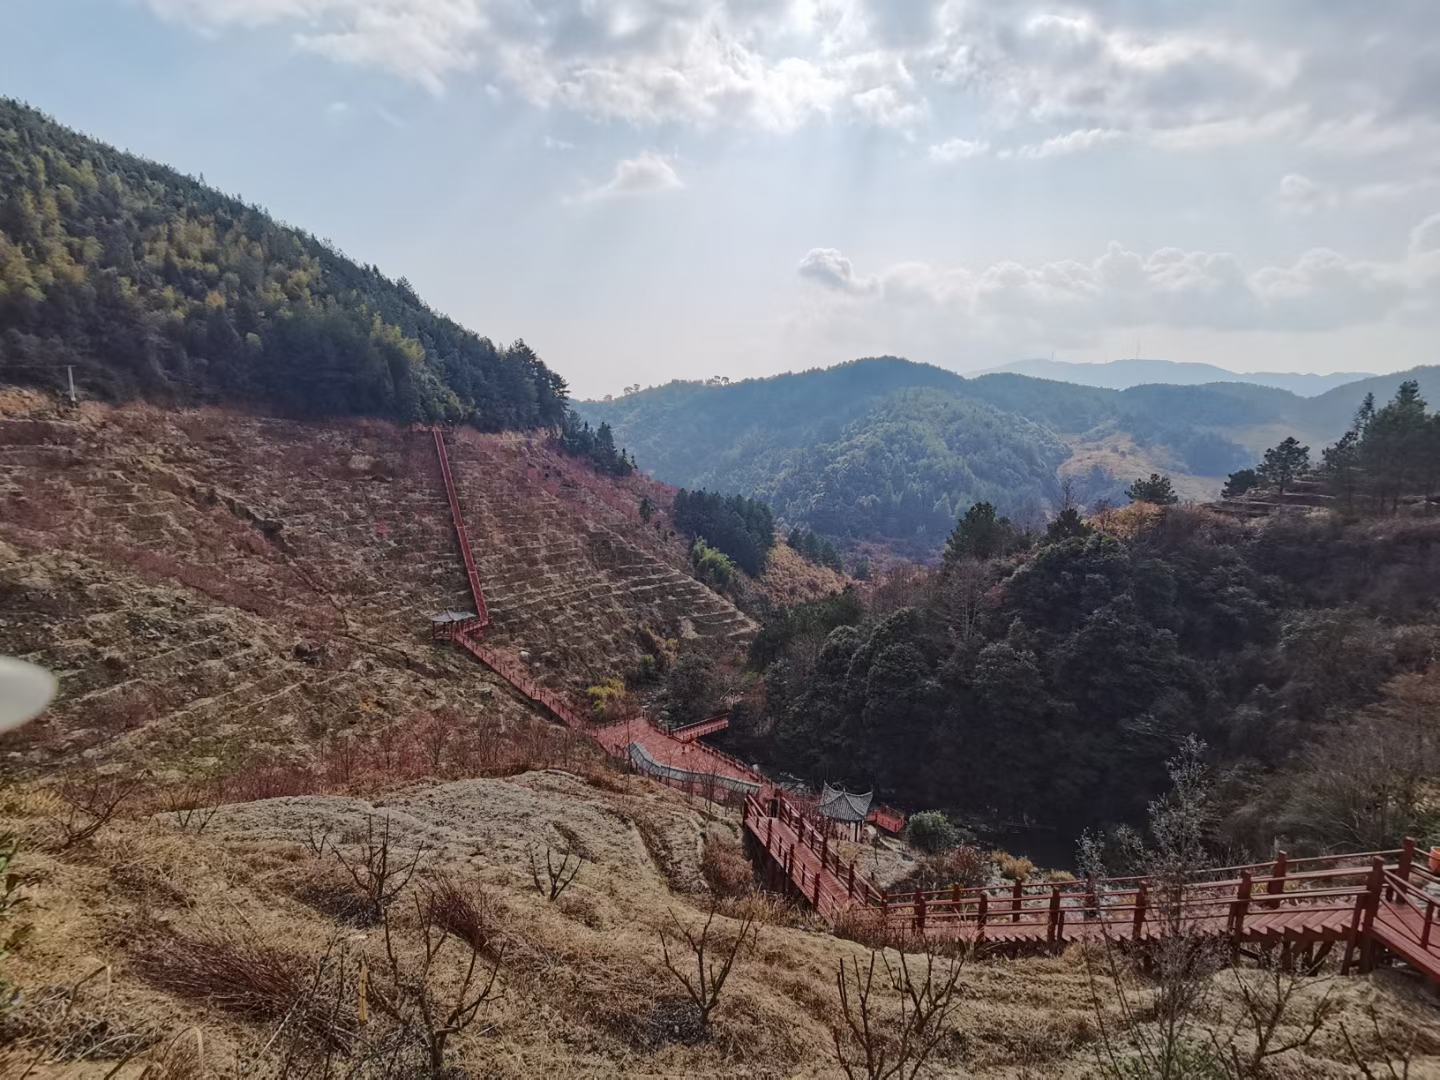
x: 562, y: 579
x: 209, y: 583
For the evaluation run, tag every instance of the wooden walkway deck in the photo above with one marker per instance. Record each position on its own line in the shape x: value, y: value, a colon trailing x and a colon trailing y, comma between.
x: 1366, y: 902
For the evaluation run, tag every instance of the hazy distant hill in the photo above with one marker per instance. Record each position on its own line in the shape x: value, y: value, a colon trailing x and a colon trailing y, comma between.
x: 886, y: 449
x: 1123, y: 374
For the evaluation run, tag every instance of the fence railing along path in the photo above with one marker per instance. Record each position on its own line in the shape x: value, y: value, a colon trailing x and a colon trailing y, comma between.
x: 1364, y: 902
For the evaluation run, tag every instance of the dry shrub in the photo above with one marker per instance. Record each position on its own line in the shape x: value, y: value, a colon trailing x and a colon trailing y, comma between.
x: 869, y: 927
x: 472, y: 915
x: 1013, y: 867
x: 237, y: 972
x: 726, y: 869
x: 72, y: 1025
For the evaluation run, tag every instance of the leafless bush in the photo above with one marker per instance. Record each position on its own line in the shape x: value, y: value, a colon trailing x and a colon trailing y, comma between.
x: 89, y: 806
x: 558, y: 876
x: 407, y: 994
x: 713, y: 957
x: 317, y: 838
x: 882, y: 1040
x: 194, y: 805
x: 239, y: 973
x: 1393, y: 1044
x: 1270, y: 1000
x: 467, y: 914
x: 379, y: 879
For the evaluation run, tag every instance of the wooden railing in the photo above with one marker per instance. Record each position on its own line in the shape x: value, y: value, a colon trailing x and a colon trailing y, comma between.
x: 691, y: 732
x: 481, y: 611
x: 514, y: 673
x: 887, y: 818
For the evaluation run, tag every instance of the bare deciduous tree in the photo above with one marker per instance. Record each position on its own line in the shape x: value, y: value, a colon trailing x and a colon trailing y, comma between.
x: 378, y: 878
x: 90, y: 805
x: 893, y: 1039
x: 713, y: 957
x: 409, y: 998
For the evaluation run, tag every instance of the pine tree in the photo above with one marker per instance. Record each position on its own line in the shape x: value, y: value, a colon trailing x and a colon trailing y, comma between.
x: 1284, y: 464
x: 980, y: 534
x: 1238, y: 483
x: 1157, y: 490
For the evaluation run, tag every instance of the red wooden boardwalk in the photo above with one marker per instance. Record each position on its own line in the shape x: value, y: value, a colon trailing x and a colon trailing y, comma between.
x: 1370, y: 901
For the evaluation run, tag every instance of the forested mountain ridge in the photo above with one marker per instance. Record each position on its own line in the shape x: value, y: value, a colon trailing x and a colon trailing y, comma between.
x: 886, y: 449
x: 154, y: 285
x: 1123, y: 374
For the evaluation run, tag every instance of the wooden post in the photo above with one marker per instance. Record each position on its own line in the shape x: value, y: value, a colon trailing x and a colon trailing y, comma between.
x: 1407, y: 860
x: 1373, y: 888
x: 850, y: 884
x: 1352, y: 939
x: 1141, y: 895
x: 1240, y: 908
x: 1277, y: 878
x: 984, y: 910
x: 1017, y: 892
x: 919, y: 911
x: 1429, y: 921
x: 955, y: 900
x: 1092, y: 903
x: 769, y: 832
x: 824, y: 849
x: 1053, y: 926
x: 819, y: 877
x: 884, y: 904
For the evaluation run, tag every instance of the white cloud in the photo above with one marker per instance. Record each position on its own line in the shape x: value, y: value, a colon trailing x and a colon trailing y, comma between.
x: 1301, y: 195
x: 1010, y: 306
x: 1073, y: 142
x: 957, y: 149
x: 558, y: 145
x: 832, y: 270
x: 1056, y: 77
x: 648, y: 174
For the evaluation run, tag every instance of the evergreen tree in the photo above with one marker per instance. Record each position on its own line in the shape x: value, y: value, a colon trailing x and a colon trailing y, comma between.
x: 980, y: 534
x: 1238, y: 483
x: 1067, y: 525
x: 1156, y: 490
x: 1283, y: 465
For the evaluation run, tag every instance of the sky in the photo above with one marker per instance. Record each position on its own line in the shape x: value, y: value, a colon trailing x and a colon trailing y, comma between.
x: 654, y: 189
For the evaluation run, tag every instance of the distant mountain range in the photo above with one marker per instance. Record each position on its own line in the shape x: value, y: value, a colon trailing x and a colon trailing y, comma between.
x: 891, y: 451
x: 1123, y: 374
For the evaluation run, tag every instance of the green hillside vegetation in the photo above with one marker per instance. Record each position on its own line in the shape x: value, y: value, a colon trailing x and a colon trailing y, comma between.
x: 154, y: 285
x: 885, y: 449
x: 1050, y: 686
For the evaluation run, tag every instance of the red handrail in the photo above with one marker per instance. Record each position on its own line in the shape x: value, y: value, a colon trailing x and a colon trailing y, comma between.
x: 481, y: 611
